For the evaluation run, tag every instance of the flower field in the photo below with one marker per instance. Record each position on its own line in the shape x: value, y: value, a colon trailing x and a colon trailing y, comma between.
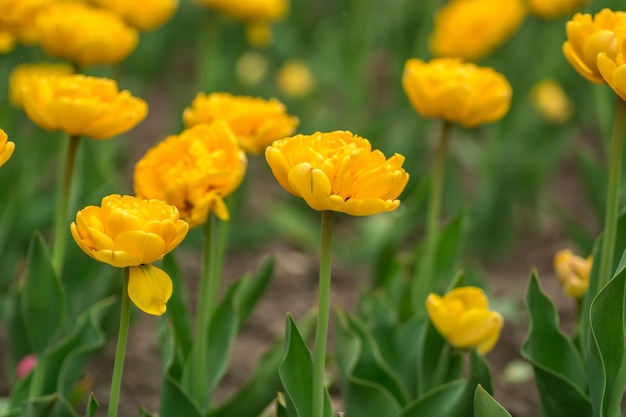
x: 312, y: 209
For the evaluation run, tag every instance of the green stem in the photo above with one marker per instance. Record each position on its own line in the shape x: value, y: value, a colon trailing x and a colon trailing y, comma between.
x: 323, y: 312
x: 423, y: 282
x: 120, y: 351
x: 612, y: 198
x: 443, y: 363
x: 207, y: 298
x: 60, y: 216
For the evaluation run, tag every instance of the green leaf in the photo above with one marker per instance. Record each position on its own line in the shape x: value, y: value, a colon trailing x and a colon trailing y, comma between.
x: 251, y: 290
x: 49, y: 406
x: 449, y: 249
x: 177, y: 311
x: 559, y: 370
x: 92, y: 406
x: 363, y: 377
x: 264, y: 383
x: 43, y: 298
x: 296, y: 374
x: 607, y: 354
x: 486, y: 406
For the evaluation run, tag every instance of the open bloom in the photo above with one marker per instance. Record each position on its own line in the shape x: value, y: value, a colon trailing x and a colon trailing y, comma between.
x: 6, y: 147
x: 589, y: 36
x: 256, y: 122
x: 126, y: 231
x: 552, y: 9
x: 463, y: 318
x: 471, y: 29
x: 84, y: 35
x: 23, y: 75
x: 572, y: 272
x: 551, y: 101
x: 143, y: 15
x: 17, y: 17
x: 82, y: 105
x: 338, y: 171
x: 458, y: 92
x: 193, y: 171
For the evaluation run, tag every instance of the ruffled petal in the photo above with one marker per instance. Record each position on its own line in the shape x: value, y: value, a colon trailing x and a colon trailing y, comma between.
x: 149, y: 288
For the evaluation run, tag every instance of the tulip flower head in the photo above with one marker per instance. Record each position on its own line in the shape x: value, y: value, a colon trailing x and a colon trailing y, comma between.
x: 126, y: 231
x: 6, y: 147
x: 17, y: 18
x: 572, y: 272
x: 471, y: 29
x: 294, y: 79
x: 255, y: 122
x: 82, y: 105
x: 588, y: 36
x: 463, y: 318
x: 338, y: 171
x: 458, y: 92
x: 193, y: 171
x: 24, y: 74
x: 84, y: 35
x: 143, y: 15
x: 613, y: 71
x: 553, y: 9
x: 551, y: 101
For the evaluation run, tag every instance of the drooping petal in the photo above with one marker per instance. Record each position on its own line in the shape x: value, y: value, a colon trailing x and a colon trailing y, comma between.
x: 149, y: 288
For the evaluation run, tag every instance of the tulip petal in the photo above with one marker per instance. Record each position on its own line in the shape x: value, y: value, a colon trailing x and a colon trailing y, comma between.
x: 118, y: 259
x: 475, y: 327
x: 146, y: 247
x: 149, y: 288
x: 470, y: 297
x: 311, y: 184
x: 438, y: 312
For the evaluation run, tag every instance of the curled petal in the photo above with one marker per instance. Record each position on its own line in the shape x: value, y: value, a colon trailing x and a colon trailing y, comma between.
x: 476, y: 327
x: 149, y: 288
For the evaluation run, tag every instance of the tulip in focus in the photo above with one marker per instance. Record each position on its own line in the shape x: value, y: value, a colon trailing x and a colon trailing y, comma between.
x: 588, y: 36
x: 84, y: 35
x: 551, y: 101
x: 338, y: 171
x: 82, y: 105
x: 463, y: 318
x: 141, y: 14
x: 126, y: 231
x: 6, y: 147
x: 193, y: 171
x: 457, y: 92
x: 255, y: 122
x: 572, y: 272
x: 552, y: 9
x: 471, y: 29
x: 24, y: 74
x: 295, y: 79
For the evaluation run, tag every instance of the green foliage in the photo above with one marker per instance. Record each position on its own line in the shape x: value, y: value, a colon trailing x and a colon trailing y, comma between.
x: 486, y: 406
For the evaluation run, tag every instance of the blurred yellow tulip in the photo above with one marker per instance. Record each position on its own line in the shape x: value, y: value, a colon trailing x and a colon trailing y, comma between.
x: 552, y: 9
x: 551, y: 101
x: 572, y: 272
x: 338, y: 171
x: 141, y: 14
x: 6, y: 147
x: 463, y: 318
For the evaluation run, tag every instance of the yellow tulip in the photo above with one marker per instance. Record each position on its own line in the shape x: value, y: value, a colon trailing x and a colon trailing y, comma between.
x: 7, y: 41
x: 613, y: 71
x: 193, y: 171
x: 126, y: 231
x: 458, y: 92
x: 256, y: 122
x: 143, y: 15
x: 572, y: 272
x: 6, y: 147
x: 14, y: 14
x: 587, y: 37
x: 84, y: 35
x: 338, y: 171
x: 81, y: 105
x: 551, y: 101
x: 463, y: 318
x: 249, y: 10
x: 552, y: 9
x: 295, y: 79
x: 471, y: 29
x: 23, y: 75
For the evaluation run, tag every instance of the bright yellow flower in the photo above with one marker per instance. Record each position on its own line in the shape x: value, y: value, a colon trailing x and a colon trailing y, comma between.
x: 338, y: 171
x: 126, y: 231
x: 572, y: 272
x: 249, y: 10
x: 85, y: 35
x: 81, y: 105
x: 193, y: 171
x: 16, y: 13
x: 6, y: 147
x: 587, y: 37
x: 552, y: 9
x: 471, y: 29
x: 142, y: 14
x: 256, y: 122
x: 551, y: 101
x: 295, y: 79
x: 7, y: 41
x: 463, y: 318
x: 23, y: 75
x: 613, y: 71
x: 458, y: 92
